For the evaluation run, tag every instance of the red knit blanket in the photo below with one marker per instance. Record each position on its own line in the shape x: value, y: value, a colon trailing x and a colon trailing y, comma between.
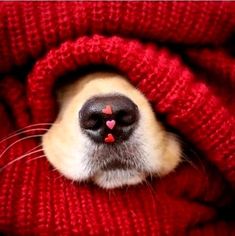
x: 179, y: 54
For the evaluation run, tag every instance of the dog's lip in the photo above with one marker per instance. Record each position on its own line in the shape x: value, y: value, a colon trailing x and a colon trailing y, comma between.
x: 115, y: 165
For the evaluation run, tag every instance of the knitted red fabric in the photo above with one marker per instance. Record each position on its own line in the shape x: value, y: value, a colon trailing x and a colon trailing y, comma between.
x: 174, y: 52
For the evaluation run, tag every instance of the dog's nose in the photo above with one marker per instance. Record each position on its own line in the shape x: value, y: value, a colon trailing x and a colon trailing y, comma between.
x: 109, y: 119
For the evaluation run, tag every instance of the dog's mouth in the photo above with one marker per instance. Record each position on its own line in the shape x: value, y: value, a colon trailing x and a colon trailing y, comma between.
x: 116, y: 165
x: 122, y: 156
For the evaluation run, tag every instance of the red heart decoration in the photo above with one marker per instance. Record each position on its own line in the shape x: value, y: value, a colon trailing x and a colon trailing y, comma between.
x: 109, y: 139
x: 110, y: 124
x: 107, y: 110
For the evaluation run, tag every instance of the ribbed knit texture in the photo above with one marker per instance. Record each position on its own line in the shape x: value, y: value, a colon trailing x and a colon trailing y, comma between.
x: 176, y: 54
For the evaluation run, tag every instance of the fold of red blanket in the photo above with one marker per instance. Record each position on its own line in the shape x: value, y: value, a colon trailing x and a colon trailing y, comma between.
x: 179, y: 54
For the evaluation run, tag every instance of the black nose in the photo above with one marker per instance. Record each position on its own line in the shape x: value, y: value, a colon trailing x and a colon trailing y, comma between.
x: 109, y: 119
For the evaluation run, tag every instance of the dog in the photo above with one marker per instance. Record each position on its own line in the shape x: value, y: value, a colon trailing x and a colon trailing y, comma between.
x: 107, y: 132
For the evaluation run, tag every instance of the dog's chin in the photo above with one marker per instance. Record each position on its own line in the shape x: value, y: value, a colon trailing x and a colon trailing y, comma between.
x: 115, y: 178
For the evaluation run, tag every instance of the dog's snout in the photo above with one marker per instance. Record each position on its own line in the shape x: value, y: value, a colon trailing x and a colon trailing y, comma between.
x: 114, y: 116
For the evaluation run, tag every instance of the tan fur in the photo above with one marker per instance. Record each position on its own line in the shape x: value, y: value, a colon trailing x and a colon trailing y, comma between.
x: 66, y: 146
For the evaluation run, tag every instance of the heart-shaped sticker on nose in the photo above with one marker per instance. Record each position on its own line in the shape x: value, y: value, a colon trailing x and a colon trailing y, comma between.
x: 110, y: 124
x: 109, y: 138
x: 107, y: 110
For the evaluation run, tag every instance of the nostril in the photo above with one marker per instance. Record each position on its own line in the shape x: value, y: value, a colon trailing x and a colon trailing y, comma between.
x: 126, y: 117
x: 91, y: 121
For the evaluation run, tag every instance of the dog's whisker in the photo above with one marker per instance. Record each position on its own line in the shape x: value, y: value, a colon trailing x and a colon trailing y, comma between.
x: 12, y: 162
x: 36, y: 158
x: 33, y: 125
x: 18, y: 133
x: 22, y: 139
x: 72, y: 181
x: 184, y: 158
x: 30, y: 153
x: 29, y: 126
x: 150, y: 187
x: 18, y: 159
x: 60, y: 176
x: 157, y: 173
x: 34, y: 148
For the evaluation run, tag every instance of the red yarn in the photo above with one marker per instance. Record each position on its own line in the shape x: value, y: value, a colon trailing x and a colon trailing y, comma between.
x: 192, y: 85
